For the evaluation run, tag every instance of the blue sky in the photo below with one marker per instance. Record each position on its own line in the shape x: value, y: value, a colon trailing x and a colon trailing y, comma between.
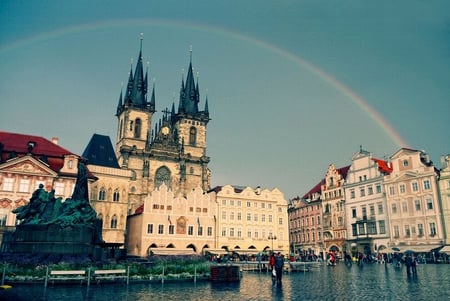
x: 292, y: 85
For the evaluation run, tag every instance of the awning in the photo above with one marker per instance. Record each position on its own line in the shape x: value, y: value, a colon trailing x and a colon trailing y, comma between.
x: 445, y: 249
x: 215, y: 251
x: 246, y: 251
x: 418, y: 248
x: 172, y: 251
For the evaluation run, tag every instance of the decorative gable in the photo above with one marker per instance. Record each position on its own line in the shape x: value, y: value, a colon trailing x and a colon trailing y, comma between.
x: 27, y: 165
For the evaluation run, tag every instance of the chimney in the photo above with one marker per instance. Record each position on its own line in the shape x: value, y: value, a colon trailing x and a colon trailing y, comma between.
x: 55, y: 140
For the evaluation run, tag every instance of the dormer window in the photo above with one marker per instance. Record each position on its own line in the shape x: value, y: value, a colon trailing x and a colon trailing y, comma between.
x: 405, y: 163
x: 31, y: 145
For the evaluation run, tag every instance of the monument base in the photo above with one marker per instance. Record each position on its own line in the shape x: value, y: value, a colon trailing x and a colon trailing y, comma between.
x: 74, y: 239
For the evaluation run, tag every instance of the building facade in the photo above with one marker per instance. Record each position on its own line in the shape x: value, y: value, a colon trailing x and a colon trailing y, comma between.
x: 27, y: 161
x: 249, y: 221
x: 305, y: 224
x: 413, y: 202
x: 444, y: 191
x: 333, y: 206
x: 366, y: 214
x: 174, y: 151
x: 170, y: 224
x: 109, y: 194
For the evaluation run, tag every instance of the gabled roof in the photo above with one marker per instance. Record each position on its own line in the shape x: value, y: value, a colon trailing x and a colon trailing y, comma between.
x: 315, y: 189
x: 343, y: 171
x: 100, y: 152
x: 19, y: 145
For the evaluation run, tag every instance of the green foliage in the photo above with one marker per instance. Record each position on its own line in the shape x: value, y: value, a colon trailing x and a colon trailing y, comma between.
x: 169, y: 266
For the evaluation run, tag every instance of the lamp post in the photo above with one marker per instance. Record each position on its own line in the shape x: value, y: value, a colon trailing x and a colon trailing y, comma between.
x: 272, y: 238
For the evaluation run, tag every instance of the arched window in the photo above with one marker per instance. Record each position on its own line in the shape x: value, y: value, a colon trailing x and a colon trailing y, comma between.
x: 114, y: 222
x: 116, y: 195
x: 102, y: 194
x: 137, y: 128
x: 162, y: 176
x: 192, y: 136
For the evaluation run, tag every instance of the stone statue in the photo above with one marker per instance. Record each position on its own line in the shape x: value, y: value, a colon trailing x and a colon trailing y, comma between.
x: 45, y: 209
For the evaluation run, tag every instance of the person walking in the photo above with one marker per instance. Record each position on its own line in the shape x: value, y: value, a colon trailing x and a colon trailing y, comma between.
x: 272, y: 267
x: 414, y: 265
x: 279, y: 263
x: 408, y: 263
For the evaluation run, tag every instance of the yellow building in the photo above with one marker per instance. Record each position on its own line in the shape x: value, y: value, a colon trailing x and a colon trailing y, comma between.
x: 169, y: 224
x: 250, y: 220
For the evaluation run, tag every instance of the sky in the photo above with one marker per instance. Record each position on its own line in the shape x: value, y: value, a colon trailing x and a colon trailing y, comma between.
x: 292, y: 85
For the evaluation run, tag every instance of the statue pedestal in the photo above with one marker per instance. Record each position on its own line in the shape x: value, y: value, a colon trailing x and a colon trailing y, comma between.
x: 75, y: 239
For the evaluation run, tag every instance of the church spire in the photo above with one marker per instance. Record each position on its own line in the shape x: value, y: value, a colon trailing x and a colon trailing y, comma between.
x: 137, y: 87
x: 189, y: 91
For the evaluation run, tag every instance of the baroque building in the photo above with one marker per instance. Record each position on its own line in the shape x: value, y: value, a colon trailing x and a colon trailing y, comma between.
x: 366, y: 211
x: 333, y: 206
x: 444, y: 191
x: 413, y: 202
x: 28, y: 161
x: 250, y: 221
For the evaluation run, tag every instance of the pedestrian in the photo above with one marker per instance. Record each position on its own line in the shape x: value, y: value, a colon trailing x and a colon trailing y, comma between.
x: 408, y: 263
x: 279, y: 263
x: 414, y: 265
x: 272, y: 267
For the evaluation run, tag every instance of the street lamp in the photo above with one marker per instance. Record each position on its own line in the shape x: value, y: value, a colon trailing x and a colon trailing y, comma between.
x: 272, y: 238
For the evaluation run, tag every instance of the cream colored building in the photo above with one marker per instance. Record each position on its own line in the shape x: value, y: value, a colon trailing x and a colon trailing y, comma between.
x: 250, y: 220
x: 366, y: 210
x: 444, y: 190
x: 413, y: 202
x: 170, y: 224
x: 27, y: 161
x: 109, y: 194
x: 108, y: 197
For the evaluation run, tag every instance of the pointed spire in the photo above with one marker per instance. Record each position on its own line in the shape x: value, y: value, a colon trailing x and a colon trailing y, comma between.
x: 128, y: 99
x: 152, y: 100
x: 139, y: 86
x: 206, y: 106
x: 190, y: 93
x: 119, y: 105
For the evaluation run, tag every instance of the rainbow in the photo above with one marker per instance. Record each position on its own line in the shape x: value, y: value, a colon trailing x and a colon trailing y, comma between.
x: 351, y: 95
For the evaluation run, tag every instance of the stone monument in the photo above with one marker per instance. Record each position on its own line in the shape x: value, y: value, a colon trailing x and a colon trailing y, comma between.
x: 49, y: 225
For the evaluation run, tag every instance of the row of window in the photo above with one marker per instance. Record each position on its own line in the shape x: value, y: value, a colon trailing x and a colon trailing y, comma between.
x: 102, y: 195
x: 408, y: 230
x: 251, y: 233
x: 362, y: 191
x: 238, y: 203
x: 369, y: 228
x: 426, y: 185
x: 169, y: 207
x: 26, y: 186
x: 379, y: 205
x: 306, y: 237
x: 249, y: 216
x: 417, y: 206
x: 171, y: 230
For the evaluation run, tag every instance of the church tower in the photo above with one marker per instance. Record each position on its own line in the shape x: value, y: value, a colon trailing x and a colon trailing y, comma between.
x: 134, y: 113
x: 173, y: 151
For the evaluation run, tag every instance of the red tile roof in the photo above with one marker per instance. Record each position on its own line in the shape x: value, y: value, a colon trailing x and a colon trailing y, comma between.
x: 19, y: 143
